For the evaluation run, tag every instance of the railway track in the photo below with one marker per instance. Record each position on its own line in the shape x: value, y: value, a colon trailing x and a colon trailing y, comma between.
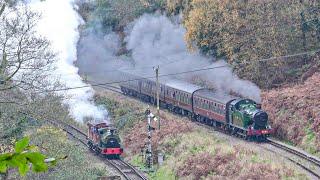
x: 303, y: 155
x: 313, y: 161
x: 128, y: 171
x: 124, y: 168
x: 291, y: 150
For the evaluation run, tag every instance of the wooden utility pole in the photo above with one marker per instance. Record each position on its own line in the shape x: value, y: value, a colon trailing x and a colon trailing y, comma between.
x: 158, y: 96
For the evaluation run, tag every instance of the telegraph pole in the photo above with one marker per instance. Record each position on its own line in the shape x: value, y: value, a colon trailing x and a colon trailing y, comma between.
x: 158, y: 96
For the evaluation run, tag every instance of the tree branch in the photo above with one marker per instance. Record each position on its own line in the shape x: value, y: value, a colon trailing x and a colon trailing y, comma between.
x: 2, y: 9
x: 19, y: 61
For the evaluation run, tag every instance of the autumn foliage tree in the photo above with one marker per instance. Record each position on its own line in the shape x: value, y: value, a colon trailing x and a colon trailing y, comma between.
x: 247, y: 31
x: 118, y: 13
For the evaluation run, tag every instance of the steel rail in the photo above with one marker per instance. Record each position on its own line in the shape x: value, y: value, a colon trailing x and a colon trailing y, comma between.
x: 279, y: 146
x: 124, y: 168
x: 298, y: 153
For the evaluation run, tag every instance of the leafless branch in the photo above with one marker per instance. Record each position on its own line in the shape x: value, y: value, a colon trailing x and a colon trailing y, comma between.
x: 25, y: 56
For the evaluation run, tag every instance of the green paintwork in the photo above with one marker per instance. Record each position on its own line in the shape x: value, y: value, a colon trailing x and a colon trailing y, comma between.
x: 243, y: 115
x: 106, y: 134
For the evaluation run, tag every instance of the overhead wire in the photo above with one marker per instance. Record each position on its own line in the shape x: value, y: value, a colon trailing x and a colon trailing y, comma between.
x: 129, y: 80
x: 291, y: 55
x: 171, y: 74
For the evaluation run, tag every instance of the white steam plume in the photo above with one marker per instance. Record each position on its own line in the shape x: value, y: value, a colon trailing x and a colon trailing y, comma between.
x: 59, y: 23
x: 157, y: 40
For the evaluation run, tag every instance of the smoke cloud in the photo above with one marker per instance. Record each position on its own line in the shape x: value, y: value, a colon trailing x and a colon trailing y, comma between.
x: 157, y: 40
x: 59, y: 24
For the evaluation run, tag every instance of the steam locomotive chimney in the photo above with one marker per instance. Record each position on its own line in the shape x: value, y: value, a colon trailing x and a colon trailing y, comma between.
x: 258, y: 106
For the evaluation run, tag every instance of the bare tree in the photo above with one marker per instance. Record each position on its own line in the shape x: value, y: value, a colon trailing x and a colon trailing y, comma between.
x: 26, y: 61
x: 25, y: 57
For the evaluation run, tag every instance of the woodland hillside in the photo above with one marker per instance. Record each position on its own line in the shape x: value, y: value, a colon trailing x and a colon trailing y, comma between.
x: 273, y: 43
x: 294, y: 111
x: 246, y: 33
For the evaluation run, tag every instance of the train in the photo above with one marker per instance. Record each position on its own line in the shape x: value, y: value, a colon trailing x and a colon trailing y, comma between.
x: 238, y: 116
x: 104, y: 140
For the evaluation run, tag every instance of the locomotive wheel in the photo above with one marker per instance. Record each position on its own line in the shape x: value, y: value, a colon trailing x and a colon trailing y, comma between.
x: 246, y: 137
x: 234, y: 131
x: 226, y: 129
x: 98, y: 151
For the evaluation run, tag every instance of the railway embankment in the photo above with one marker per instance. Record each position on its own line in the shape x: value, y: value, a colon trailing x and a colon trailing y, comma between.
x: 74, y: 159
x: 295, y: 113
x: 192, y: 151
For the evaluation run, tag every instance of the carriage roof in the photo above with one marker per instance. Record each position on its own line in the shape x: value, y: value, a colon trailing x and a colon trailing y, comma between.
x: 180, y: 85
x: 215, y: 95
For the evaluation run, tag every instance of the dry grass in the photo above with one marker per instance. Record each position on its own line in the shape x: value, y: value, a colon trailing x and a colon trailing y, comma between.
x: 295, y: 112
x: 197, y: 156
x: 193, y: 153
